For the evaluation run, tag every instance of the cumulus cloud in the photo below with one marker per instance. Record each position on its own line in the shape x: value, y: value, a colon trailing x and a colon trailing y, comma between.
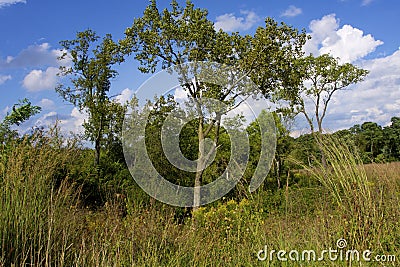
x: 38, y: 80
x: 292, y: 11
x: 229, y: 22
x: 125, y: 96
x: 6, y: 3
x: 348, y: 43
x: 76, y: 120
x: 35, y: 56
x: 4, y: 78
x: 69, y: 123
x: 46, y: 104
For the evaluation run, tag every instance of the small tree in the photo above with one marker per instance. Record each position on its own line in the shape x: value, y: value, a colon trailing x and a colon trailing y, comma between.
x: 323, y: 76
x: 20, y: 112
x: 90, y: 73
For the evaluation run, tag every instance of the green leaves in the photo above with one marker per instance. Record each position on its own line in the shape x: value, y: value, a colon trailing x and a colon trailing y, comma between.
x: 20, y: 113
x: 326, y: 74
x: 321, y: 77
x: 272, y: 57
x: 90, y: 75
x: 91, y: 68
x: 170, y: 37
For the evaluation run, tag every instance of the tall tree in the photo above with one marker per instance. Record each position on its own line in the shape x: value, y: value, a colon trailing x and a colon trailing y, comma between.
x: 185, y: 34
x: 90, y: 74
x: 272, y: 58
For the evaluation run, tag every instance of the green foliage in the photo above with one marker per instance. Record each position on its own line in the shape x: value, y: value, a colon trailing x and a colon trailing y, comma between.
x: 90, y: 75
x: 373, y: 142
x: 322, y: 77
x: 20, y: 113
x: 272, y: 57
x: 230, y: 218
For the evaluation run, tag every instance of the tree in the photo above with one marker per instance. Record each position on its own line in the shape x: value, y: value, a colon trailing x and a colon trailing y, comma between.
x: 90, y: 74
x: 182, y: 35
x: 391, y: 135
x: 272, y: 59
x: 323, y: 77
x: 19, y: 113
x: 373, y: 135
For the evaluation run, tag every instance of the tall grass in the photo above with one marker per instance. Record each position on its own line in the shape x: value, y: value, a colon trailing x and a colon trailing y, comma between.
x: 35, y: 214
x: 364, y: 202
x: 42, y: 223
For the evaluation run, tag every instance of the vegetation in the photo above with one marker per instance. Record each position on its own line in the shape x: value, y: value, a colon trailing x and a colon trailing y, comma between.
x: 59, y: 207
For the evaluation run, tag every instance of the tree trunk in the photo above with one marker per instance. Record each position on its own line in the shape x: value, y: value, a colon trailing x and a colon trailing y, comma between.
x: 200, y: 166
x: 97, y: 147
x: 323, y: 158
x: 278, y: 172
x: 203, y: 157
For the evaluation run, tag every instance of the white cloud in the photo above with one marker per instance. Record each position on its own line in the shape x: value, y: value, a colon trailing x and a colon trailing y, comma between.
x: 35, y: 56
x: 4, y: 78
x: 180, y: 95
x: 376, y: 99
x: 292, y: 11
x: 229, y: 22
x: 46, y: 104
x: 125, y: 96
x: 77, y: 118
x: 38, y: 80
x: 348, y: 43
x: 71, y: 123
x: 5, y: 3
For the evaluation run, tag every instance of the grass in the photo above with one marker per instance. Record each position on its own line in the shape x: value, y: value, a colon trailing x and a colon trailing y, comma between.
x: 43, y: 224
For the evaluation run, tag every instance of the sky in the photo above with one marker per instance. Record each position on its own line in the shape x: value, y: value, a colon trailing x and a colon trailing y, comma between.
x: 361, y: 32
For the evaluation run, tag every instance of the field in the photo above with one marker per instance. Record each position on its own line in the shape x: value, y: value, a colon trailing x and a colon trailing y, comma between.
x: 42, y: 224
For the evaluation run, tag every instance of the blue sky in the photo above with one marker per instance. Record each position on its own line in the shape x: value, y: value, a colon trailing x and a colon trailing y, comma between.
x: 363, y: 32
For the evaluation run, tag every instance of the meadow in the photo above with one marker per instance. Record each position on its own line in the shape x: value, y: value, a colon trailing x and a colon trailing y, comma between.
x: 43, y: 221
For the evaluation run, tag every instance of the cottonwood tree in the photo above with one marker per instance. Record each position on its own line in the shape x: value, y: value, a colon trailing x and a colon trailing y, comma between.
x: 323, y: 77
x: 90, y: 74
x: 168, y: 38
